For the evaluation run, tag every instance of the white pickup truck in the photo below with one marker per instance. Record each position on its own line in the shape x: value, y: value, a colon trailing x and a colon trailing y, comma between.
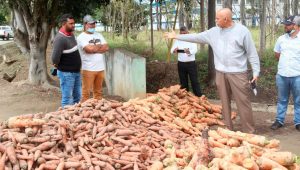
x: 6, y: 32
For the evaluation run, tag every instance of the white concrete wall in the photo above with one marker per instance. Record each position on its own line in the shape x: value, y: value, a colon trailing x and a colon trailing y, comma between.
x: 125, y: 74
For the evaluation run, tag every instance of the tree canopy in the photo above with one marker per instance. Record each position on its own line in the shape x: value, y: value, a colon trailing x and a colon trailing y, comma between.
x: 33, y: 20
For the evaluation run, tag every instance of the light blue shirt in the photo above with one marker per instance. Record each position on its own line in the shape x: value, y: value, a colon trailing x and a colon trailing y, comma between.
x: 289, y: 61
x: 232, y: 48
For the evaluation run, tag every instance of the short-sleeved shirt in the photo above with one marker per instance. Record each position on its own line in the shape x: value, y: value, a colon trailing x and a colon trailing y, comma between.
x: 184, y: 57
x: 289, y: 61
x: 91, y: 62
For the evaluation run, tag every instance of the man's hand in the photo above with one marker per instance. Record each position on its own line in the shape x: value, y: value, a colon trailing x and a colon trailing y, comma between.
x: 254, y: 79
x: 187, y: 51
x: 170, y: 35
x: 175, y: 50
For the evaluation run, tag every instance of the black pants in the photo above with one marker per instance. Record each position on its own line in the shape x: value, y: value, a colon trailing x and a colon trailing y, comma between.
x: 186, y: 70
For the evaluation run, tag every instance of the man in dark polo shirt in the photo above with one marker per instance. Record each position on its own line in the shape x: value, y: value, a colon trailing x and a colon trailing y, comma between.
x: 66, y: 59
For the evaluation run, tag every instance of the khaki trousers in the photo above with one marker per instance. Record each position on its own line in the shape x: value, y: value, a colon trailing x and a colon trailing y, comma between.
x: 92, y: 81
x: 236, y: 84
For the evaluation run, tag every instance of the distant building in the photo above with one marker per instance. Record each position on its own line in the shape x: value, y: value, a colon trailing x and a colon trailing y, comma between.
x: 250, y: 20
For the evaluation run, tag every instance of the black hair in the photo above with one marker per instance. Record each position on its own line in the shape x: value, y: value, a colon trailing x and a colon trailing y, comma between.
x: 64, y: 18
x: 183, y: 28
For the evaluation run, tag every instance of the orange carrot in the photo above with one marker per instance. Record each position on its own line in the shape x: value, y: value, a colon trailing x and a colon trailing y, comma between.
x: 69, y: 165
x: 39, y: 139
x: 266, y: 163
x: 223, y: 140
x: 2, y: 148
x: 99, y: 163
x: 135, y: 166
x: 128, y: 166
x: 185, y: 112
x: 30, y: 161
x: 50, y: 157
x: 250, y: 164
x: 61, y: 165
x: 43, y: 146
x: 214, y: 134
x: 233, y: 142
x: 274, y: 143
x: 219, y: 152
x: 85, y: 155
x: 2, y: 161
x: 224, y: 164
x: 10, y: 150
x: 283, y: 158
x: 17, y: 122
x: 214, y: 143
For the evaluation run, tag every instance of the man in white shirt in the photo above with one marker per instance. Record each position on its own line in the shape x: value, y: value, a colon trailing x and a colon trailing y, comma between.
x: 187, y: 67
x: 91, y: 46
x: 287, y: 51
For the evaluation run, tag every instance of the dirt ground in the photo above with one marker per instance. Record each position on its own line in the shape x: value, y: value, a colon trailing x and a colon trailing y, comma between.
x: 20, y: 98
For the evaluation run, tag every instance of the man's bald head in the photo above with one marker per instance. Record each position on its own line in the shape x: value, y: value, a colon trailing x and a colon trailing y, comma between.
x: 224, y: 18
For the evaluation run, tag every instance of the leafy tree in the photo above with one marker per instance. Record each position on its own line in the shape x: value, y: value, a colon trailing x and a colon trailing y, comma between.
x: 32, y: 23
x: 4, y: 13
x: 2, y: 19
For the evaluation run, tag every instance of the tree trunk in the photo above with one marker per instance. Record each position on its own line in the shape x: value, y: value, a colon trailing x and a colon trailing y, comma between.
x: 227, y: 4
x: 242, y: 11
x: 160, y: 14
x: 188, y: 11
x: 110, y: 18
x: 151, y: 25
x: 157, y: 16
x: 170, y: 42
x: 181, y: 14
x: 286, y: 9
x: 211, y: 23
x: 273, y: 23
x: 123, y: 18
x: 295, y: 7
x: 39, y: 33
x: 263, y: 19
x: 113, y: 27
x: 20, y: 32
x: 202, y: 26
x: 253, y: 23
x: 53, y: 33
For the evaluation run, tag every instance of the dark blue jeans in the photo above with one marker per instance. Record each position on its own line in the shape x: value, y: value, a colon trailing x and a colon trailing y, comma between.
x: 70, y: 85
x: 285, y: 85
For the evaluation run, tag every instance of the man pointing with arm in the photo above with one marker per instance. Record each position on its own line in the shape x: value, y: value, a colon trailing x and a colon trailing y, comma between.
x: 233, y: 46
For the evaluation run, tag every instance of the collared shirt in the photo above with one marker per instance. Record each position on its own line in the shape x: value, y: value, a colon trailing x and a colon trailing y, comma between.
x: 232, y: 48
x: 184, y: 57
x: 289, y: 61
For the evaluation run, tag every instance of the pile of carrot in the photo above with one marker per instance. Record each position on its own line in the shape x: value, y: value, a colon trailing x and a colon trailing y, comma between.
x: 96, y: 134
x: 162, y: 131
x: 180, y: 109
x: 229, y: 150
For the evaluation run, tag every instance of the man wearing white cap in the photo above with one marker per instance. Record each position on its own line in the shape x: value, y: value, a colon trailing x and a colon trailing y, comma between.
x: 91, y: 45
x: 287, y: 51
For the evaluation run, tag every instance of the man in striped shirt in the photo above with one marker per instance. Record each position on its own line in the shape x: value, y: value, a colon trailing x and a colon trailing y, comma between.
x: 66, y: 59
